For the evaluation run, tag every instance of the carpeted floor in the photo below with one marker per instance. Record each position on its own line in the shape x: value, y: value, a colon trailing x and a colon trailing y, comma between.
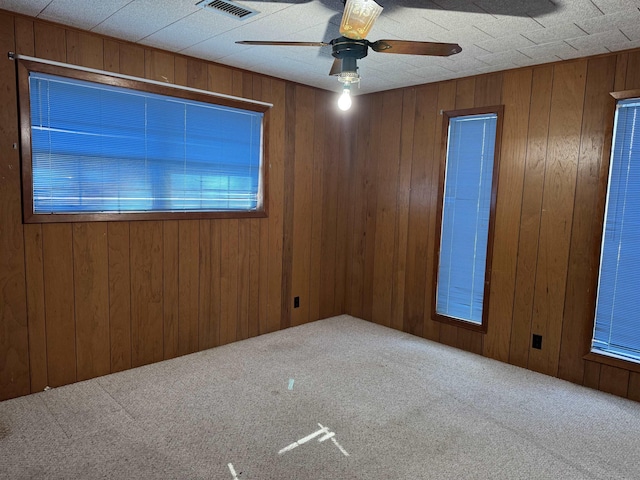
x: 336, y: 399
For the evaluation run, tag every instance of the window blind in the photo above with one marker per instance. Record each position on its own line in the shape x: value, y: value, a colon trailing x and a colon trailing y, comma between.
x: 617, y: 322
x: 465, y: 216
x: 98, y: 148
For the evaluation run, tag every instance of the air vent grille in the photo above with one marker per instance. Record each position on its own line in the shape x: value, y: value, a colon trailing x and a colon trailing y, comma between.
x: 229, y: 8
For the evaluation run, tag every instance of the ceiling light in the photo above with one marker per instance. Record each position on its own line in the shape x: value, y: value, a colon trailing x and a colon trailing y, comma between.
x: 344, y: 102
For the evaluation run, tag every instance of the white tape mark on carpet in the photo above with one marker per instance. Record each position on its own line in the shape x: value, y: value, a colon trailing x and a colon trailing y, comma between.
x: 233, y: 471
x: 326, y: 435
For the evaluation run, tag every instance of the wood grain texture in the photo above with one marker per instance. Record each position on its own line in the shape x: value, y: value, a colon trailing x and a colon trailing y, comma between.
x: 57, y: 241
x: 146, y: 240
x: 614, y: 380
x: 34, y: 271
x: 386, y: 207
x: 277, y: 158
x: 188, y: 285
x: 584, y: 249
x: 119, y: 295
x: 530, y: 213
x: 446, y: 101
x: 302, y: 203
x: 317, y: 208
x: 633, y: 392
x: 332, y: 163
x: 591, y: 377
x: 14, y: 341
x: 91, y: 287
x: 371, y: 204
x: 563, y: 148
x: 171, y: 288
x: 403, y: 198
x: 516, y: 94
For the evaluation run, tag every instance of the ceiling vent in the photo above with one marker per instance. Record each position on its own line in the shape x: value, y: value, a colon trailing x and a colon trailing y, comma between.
x: 229, y: 8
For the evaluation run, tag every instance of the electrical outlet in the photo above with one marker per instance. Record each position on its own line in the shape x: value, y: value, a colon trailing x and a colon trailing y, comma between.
x: 536, y: 342
x: 296, y: 302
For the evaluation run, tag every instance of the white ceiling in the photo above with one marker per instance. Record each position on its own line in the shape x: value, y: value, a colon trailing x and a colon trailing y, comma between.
x: 494, y: 34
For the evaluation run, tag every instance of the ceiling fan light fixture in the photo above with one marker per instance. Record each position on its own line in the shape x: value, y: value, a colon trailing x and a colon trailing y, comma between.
x: 358, y: 18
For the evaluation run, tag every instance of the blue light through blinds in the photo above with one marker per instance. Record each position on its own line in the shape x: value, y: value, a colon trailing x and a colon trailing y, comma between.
x: 465, y: 216
x: 104, y: 149
x: 617, y: 325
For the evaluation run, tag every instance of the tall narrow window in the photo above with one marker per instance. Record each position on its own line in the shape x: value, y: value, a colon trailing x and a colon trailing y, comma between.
x: 617, y: 322
x: 99, y: 149
x: 467, y: 200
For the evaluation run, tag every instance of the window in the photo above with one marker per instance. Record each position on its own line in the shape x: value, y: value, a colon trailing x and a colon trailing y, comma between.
x: 466, y: 215
x: 617, y: 324
x: 98, y: 147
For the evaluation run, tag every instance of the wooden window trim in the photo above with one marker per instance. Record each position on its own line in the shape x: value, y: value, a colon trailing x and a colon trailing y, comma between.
x: 602, y: 200
x: 447, y: 115
x: 25, y: 66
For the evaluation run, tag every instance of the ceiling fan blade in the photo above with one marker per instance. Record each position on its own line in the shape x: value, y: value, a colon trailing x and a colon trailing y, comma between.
x: 358, y: 18
x: 283, y: 44
x: 415, y: 48
x: 336, y: 67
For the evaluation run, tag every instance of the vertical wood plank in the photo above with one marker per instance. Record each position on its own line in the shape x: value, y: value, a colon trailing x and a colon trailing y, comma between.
x: 57, y: 241
x: 371, y: 206
x: 276, y: 166
x: 422, y: 165
x: 633, y: 71
x: 591, y: 377
x: 14, y: 330
x: 171, y: 288
x: 614, y: 380
x: 24, y: 36
x: 188, y: 286
x: 344, y: 175
x: 205, y: 317
x: 633, y: 392
x: 329, y: 211
x: 357, y: 211
x: 403, y: 196
x: 557, y: 205
x: 244, y: 273
x: 91, y: 287
x: 446, y: 101
x: 119, y: 295
x: 253, y: 328
x: 84, y: 49
x: 228, y: 280
x: 303, y: 171
x: 215, y: 285
x: 577, y: 326
x: 159, y: 66
x: 288, y: 211
x: 146, y: 240
x: 50, y: 42
x: 316, y: 262
x: 531, y: 211
x: 386, y: 207
x: 34, y: 271
x: 516, y: 94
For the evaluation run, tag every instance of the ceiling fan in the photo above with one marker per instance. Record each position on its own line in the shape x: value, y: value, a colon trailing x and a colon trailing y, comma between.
x: 357, y: 20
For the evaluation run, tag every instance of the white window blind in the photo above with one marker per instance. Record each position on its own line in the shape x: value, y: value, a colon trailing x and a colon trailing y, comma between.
x: 97, y: 148
x: 617, y: 322
x: 465, y: 217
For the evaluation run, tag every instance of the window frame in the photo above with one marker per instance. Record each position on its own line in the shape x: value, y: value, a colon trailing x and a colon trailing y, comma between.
x: 605, y: 171
x: 447, y: 116
x: 25, y: 66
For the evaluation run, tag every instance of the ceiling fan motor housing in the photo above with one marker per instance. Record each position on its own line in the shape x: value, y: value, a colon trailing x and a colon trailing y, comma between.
x: 349, y: 51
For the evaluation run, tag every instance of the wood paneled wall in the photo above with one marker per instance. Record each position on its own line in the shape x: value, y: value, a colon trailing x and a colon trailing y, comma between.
x: 86, y: 299
x: 552, y: 181
x: 350, y: 228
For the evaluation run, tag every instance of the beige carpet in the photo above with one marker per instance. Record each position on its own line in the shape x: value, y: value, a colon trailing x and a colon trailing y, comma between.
x: 336, y: 399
